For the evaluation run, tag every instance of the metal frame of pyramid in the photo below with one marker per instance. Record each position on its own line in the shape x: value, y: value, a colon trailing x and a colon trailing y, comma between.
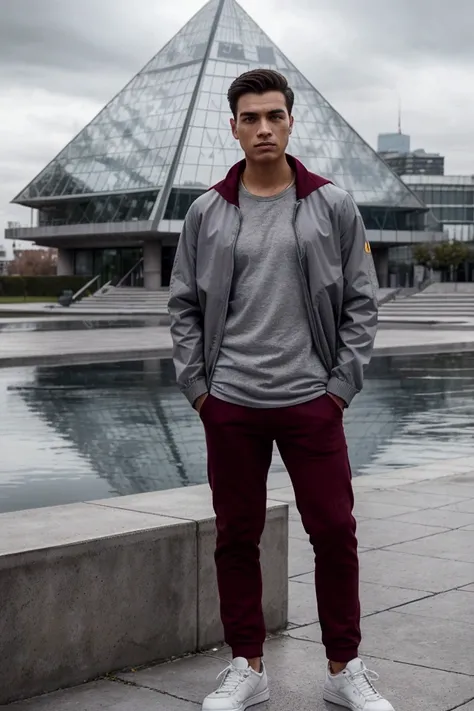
x: 168, y: 128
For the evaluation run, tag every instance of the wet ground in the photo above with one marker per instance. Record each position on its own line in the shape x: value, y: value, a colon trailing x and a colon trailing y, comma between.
x: 83, y: 432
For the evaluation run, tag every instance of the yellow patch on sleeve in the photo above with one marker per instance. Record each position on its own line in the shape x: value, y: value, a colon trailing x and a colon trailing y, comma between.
x: 367, y: 248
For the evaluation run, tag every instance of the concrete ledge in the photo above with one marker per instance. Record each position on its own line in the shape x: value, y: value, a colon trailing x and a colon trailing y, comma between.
x: 92, y: 588
x: 195, y: 503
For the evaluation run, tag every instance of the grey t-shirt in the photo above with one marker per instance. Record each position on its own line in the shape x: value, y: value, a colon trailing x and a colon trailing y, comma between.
x: 267, y: 358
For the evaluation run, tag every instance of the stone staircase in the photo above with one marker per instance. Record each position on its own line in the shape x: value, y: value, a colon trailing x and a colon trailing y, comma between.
x: 432, y: 305
x: 124, y: 301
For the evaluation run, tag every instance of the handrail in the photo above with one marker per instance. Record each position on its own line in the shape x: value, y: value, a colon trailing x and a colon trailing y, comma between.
x: 85, y: 287
x: 130, y: 271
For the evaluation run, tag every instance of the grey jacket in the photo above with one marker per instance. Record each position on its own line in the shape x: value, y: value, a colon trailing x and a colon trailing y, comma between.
x: 337, y: 273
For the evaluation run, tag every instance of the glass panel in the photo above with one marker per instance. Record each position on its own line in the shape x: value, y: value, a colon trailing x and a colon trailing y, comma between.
x: 179, y: 203
x: 106, y: 208
x: 84, y: 262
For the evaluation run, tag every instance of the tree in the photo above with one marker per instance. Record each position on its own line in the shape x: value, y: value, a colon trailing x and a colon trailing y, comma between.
x: 450, y: 256
x: 423, y: 255
x: 34, y: 262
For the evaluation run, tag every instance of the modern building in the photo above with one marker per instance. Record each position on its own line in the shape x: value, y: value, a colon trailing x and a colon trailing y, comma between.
x: 417, y: 162
x: 114, y: 199
x: 451, y: 200
x: 393, y: 142
x: 394, y: 148
x: 4, y: 260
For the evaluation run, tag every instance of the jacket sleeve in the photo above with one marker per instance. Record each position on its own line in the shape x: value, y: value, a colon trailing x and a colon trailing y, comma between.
x: 186, y: 315
x: 358, y: 324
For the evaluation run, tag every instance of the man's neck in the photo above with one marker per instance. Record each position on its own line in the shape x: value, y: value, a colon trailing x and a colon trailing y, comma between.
x: 267, y: 180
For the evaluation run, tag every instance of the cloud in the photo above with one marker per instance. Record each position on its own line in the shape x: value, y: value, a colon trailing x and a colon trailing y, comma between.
x: 60, y: 62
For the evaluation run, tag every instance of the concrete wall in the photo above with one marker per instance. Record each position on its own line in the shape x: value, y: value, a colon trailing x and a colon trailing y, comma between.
x: 65, y: 266
x: 92, y: 588
x: 152, y: 265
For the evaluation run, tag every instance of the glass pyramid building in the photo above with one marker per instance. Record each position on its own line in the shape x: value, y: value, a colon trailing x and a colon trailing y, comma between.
x: 131, y: 174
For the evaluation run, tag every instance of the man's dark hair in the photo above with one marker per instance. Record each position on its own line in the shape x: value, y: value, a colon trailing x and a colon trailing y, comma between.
x: 259, y: 81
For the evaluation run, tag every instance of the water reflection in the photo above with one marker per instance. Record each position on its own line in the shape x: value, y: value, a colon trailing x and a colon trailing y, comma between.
x: 86, y: 432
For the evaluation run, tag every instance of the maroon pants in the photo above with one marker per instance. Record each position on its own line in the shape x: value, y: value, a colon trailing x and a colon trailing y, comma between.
x: 311, y: 441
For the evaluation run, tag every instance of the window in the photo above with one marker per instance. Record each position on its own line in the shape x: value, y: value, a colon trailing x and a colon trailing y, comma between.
x: 106, y: 208
x: 179, y: 203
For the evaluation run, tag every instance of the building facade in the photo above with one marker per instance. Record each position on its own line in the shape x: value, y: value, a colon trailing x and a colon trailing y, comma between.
x: 417, y: 162
x: 4, y: 260
x: 393, y: 143
x: 395, y: 150
x: 450, y: 199
x: 113, y: 201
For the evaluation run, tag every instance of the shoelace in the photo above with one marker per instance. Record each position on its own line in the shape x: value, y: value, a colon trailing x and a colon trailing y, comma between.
x: 232, y: 678
x: 363, y: 680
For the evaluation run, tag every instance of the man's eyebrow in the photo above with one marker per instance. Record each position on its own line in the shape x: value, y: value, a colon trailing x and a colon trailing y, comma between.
x: 254, y: 113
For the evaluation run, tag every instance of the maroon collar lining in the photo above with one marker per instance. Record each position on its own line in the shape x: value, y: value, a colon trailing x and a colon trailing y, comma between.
x: 306, y: 182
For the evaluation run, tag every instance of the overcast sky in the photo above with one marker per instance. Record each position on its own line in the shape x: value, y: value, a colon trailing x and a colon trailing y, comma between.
x: 61, y: 60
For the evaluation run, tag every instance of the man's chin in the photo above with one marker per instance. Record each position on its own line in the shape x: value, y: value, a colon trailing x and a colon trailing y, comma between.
x: 265, y: 156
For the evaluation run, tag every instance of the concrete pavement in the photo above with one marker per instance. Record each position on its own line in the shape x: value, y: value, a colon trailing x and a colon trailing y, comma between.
x: 416, y: 534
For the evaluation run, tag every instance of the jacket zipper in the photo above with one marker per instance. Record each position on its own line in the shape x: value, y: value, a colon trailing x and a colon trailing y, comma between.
x: 307, y: 295
x: 226, y: 300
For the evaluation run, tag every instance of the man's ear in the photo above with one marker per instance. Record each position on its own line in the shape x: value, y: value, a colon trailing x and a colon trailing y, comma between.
x: 292, y: 123
x: 233, y: 125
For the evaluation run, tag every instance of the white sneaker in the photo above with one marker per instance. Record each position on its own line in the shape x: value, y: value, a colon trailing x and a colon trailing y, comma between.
x: 240, y: 688
x: 353, y: 689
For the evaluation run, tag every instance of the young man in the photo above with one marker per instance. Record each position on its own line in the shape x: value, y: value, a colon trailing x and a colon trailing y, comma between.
x: 274, y: 314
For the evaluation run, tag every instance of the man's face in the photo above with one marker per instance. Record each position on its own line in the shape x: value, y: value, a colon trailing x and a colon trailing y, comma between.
x: 262, y: 126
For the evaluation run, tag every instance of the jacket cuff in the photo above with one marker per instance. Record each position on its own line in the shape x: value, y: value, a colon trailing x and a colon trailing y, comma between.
x: 342, y: 389
x: 195, y: 389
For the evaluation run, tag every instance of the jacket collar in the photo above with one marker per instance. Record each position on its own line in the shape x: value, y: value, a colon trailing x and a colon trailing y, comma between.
x: 306, y: 182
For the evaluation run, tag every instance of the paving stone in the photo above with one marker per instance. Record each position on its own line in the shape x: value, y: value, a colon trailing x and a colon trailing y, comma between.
x: 445, y: 644
x: 468, y: 588
x: 296, y: 530
x: 190, y: 678
x: 412, y: 499
x: 449, y: 488
x: 372, y: 509
x: 466, y: 506
x: 301, y: 557
x: 444, y: 518
x: 456, y: 605
x: 104, y: 695
x: 374, y: 598
x: 285, y: 494
x: 278, y: 479
x: 302, y: 608
x: 377, y: 533
x: 453, y: 545
x: 393, y: 568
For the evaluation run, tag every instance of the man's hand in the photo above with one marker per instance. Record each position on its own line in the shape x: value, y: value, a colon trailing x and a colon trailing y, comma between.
x: 200, y: 402
x: 339, y: 401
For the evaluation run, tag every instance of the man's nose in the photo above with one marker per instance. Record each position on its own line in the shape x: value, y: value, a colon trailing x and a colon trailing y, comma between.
x: 264, y: 129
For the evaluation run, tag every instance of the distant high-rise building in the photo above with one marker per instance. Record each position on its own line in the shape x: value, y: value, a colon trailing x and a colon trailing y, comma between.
x: 417, y: 162
x: 393, y: 143
x: 394, y: 148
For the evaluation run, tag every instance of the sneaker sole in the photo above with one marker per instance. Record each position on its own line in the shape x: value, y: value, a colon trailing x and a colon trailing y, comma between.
x: 338, y: 700
x: 258, y: 699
